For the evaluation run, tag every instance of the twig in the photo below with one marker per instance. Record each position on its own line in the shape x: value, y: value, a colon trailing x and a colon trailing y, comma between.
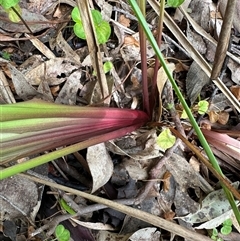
x: 144, y: 216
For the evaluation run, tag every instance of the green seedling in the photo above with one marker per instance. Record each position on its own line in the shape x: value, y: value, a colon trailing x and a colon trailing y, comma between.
x: 225, y: 230
x: 10, y: 6
x: 166, y: 140
x: 174, y: 3
x: 102, y: 27
x: 62, y: 233
x: 107, y: 67
x: 5, y: 55
x: 227, y: 227
x: 201, y: 108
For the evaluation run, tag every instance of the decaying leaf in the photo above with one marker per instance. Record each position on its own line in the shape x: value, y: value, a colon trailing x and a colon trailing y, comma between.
x: 22, y: 87
x: 236, y: 91
x: 235, y: 70
x: 18, y: 197
x: 146, y: 234
x: 183, y: 172
x: 54, y: 70
x: 68, y: 93
x: 195, y: 81
x: 40, y: 22
x: 100, y: 165
x: 215, y: 222
x: 214, y: 205
x: 141, y: 146
x: 219, y: 103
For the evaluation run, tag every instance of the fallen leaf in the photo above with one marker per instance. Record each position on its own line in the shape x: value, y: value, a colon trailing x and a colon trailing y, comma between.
x: 213, y: 205
x: 235, y: 70
x: 124, y: 21
x: 223, y: 117
x: 195, y: 81
x: 236, y: 91
x: 213, y: 116
x: 100, y: 165
x: 130, y: 40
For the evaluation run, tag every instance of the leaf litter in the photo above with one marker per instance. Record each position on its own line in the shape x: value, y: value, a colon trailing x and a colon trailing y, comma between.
x: 119, y: 169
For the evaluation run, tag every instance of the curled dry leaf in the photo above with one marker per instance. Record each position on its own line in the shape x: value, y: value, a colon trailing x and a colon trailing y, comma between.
x: 236, y: 91
x: 130, y: 40
x: 100, y: 165
x: 124, y: 21
x: 221, y: 117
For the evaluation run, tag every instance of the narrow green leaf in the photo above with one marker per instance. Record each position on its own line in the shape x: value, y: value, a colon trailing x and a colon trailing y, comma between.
x: 66, y: 207
x: 200, y: 135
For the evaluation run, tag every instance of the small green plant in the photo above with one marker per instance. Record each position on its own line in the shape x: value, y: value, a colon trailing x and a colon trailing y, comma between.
x: 174, y: 3
x: 62, y: 234
x: 9, y: 6
x: 201, y: 108
x: 225, y: 230
x: 102, y: 27
x: 107, y: 67
x: 166, y: 140
x: 5, y: 55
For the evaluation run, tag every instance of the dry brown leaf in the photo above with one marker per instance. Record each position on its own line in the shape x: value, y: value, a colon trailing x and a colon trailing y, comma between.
x: 182, y: 172
x: 39, y: 22
x: 194, y: 163
x: 236, y: 91
x: 124, y: 21
x: 235, y: 71
x: 213, y: 116
x: 179, y: 67
x: 169, y: 215
x: 223, y: 117
x: 58, y: 13
x: 166, y: 181
x: 130, y: 40
x: 161, y: 80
